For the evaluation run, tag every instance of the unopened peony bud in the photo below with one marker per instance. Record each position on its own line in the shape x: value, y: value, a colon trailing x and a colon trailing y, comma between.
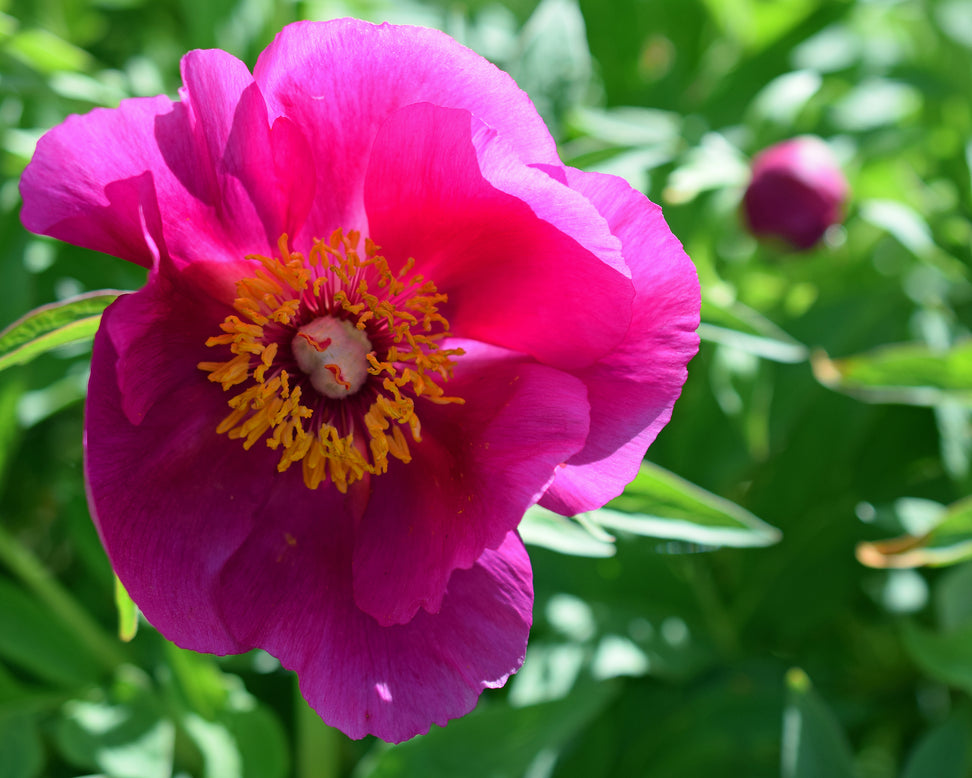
x: 797, y: 191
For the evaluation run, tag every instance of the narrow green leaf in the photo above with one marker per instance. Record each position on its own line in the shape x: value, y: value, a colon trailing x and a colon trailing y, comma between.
x: 57, y: 602
x: 550, y: 530
x: 660, y: 504
x: 53, y: 325
x: 814, y: 745
x: 903, y: 373
x: 902, y: 221
x: 627, y: 127
x: 736, y: 325
x: 127, y: 613
x: 948, y: 542
x: 47, y: 53
x: 33, y: 639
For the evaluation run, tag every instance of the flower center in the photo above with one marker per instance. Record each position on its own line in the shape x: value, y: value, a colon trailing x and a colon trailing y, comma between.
x: 332, y: 353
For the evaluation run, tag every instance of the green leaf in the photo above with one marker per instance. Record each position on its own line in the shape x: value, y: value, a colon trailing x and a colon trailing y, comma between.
x: 627, y: 127
x: 47, y: 53
x: 127, y: 613
x: 221, y: 756
x: 659, y: 504
x: 902, y: 221
x: 785, y: 96
x: 948, y: 542
x: 21, y: 749
x: 124, y: 737
x: 34, y: 640
x: 527, y: 735
x: 902, y: 373
x: 550, y: 530
x: 261, y: 740
x: 197, y: 681
x: 814, y: 745
x: 53, y: 325
x: 945, y: 656
x: 953, y: 606
x: 713, y: 164
x: 734, y: 324
x: 944, y: 751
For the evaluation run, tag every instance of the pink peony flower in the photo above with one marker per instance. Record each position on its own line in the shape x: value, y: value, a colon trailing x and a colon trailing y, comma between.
x: 796, y: 193
x: 382, y: 320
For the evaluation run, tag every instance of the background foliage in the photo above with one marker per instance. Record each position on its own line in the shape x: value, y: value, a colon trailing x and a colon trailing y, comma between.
x: 676, y: 634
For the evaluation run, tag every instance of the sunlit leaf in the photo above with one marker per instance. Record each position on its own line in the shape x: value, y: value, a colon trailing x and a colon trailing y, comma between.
x: 47, y: 53
x: 550, y: 530
x: 127, y: 737
x: 948, y: 542
x: 627, y: 126
x: 783, y: 97
x: 713, y: 164
x: 902, y: 221
x: 768, y: 348
x: 875, y: 102
x: 905, y: 373
x: 733, y: 324
x: 220, y: 752
x: 127, y: 613
x: 814, y: 745
x: 659, y: 504
x: 53, y: 325
x: 40, y: 404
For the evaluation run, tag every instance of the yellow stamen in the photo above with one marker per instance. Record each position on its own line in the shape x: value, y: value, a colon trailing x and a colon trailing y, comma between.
x: 285, y: 410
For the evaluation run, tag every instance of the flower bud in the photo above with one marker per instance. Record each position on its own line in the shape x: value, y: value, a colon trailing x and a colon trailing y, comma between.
x: 796, y: 193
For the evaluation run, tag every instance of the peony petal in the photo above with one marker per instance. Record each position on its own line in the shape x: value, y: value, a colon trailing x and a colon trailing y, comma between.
x: 479, y: 467
x: 527, y: 263
x: 340, y: 80
x: 633, y: 390
x: 172, y: 500
x: 152, y: 178
x: 288, y: 590
x: 160, y: 333
x: 256, y: 180
x: 90, y: 181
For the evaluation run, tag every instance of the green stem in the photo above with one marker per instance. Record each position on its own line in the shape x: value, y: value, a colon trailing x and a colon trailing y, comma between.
x: 23, y: 564
x: 317, y: 747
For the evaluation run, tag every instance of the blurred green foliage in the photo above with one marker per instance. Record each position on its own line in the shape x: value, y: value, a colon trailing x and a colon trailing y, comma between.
x: 831, y: 398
